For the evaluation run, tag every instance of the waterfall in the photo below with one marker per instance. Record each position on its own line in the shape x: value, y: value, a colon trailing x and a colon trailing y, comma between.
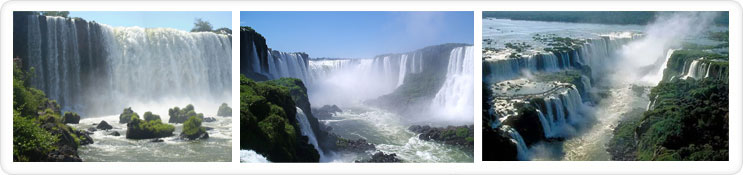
x: 559, y: 111
x: 304, y: 126
x: 523, y: 151
x: 403, y: 70
x: 102, y: 68
x: 594, y: 53
x: 456, y: 96
x: 255, y: 60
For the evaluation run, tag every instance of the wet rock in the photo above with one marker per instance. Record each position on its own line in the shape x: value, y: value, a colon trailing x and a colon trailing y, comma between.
x: 326, y: 112
x: 199, y: 136
x: 357, y: 146
x: 452, y: 135
x: 209, y: 119
x: 381, y: 157
x: 157, y: 140
x: 92, y: 129
x: 71, y: 117
x: 84, y: 137
x: 115, y: 133
x: 104, y: 126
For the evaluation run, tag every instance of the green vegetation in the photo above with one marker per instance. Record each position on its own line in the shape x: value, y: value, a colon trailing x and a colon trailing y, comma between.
x: 268, y: 123
x: 37, y: 125
x: 148, y: 116
x: 519, y: 47
x: 680, y: 58
x: 719, y: 36
x: 178, y: 115
x: 200, y: 25
x: 689, y: 121
x: 126, y: 115
x: 30, y: 141
x: 224, y: 110
x: 141, y: 129
x: 192, y: 128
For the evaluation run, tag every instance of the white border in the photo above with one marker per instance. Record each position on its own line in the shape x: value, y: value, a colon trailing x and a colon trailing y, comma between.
x: 560, y: 167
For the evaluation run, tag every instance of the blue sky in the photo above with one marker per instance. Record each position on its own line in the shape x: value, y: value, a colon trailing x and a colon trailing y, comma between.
x: 150, y: 19
x: 359, y: 34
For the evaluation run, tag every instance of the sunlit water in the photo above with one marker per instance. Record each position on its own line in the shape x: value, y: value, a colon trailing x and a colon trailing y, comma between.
x: 108, y: 148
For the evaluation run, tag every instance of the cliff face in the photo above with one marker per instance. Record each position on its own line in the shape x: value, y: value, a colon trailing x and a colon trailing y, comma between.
x: 252, y: 44
x: 418, y: 89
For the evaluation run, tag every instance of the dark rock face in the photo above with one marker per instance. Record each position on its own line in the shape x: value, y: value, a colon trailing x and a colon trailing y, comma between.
x: 84, y: 137
x: 115, y: 133
x: 104, y: 126
x: 527, y: 124
x: 198, y: 136
x: 71, y: 117
x: 452, y: 135
x: 325, y: 112
x: 357, y: 146
x: 253, y: 41
x: 209, y: 119
x: 497, y: 146
x: 381, y: 157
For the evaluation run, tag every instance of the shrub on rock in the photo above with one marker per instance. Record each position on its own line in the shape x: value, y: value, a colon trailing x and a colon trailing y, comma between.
x: 71, y: 117
x: 140, y: 129
x: 178, y: 115
x: 148, y: 116
x: 193, y: 130
x: 126, y: 115
x: 224, y: 110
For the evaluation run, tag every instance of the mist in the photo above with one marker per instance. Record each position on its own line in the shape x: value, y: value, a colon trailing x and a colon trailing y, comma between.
x: 668, y: 31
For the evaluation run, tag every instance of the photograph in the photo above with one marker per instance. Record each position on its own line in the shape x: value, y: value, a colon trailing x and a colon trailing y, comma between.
x: 129, y: 86
x: 605, y: 85
x: 357, y: 87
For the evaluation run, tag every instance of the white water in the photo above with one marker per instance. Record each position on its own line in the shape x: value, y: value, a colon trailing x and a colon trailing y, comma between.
x: 561, y: 113
x: 455, y: 99
x: 250, y: 156
x: 523, y: 151
x: 388, y: 131
x: 304, y: 126
x: 109, y: 148
x: 117, y: 66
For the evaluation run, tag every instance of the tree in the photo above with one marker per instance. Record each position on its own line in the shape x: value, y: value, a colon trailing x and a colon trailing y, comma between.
x: 201, y: 26
x: 223, y: 30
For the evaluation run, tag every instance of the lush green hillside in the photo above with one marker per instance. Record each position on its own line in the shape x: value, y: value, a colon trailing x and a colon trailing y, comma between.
x: 39, y: 133
x: 689, y: 121
x: 268, y: 122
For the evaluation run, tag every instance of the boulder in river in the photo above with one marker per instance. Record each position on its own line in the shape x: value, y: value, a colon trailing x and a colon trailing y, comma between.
x: 104, y: 125
x: 381, y: 157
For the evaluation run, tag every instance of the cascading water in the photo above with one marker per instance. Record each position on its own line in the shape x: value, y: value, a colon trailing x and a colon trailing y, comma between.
x: 523, y: 151
x: 559, y: 111
x: 456, y: 96
x: 594, y: 53
x: 95, y: 68
x: 304, y: 125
